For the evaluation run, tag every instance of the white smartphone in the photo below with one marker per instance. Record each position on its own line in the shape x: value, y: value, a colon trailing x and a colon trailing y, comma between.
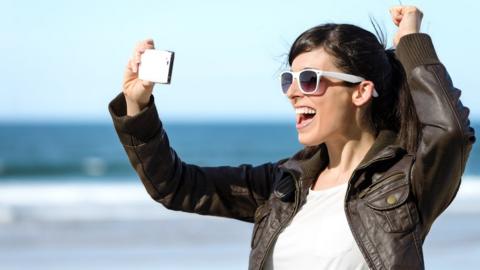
x: 156, y: 66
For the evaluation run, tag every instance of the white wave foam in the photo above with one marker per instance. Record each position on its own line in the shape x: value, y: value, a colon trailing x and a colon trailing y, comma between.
x: 77, y: 200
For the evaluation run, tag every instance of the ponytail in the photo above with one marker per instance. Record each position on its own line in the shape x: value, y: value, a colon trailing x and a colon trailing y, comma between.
x: 409, y: 125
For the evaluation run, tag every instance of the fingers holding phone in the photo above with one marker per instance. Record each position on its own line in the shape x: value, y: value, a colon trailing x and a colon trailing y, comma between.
x: 137, y: 92
x: 145, y: 67
x: 139, y: 50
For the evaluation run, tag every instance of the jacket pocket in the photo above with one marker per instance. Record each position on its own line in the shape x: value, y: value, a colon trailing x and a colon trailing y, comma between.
x: 390, y: 204
x: 260, y: 221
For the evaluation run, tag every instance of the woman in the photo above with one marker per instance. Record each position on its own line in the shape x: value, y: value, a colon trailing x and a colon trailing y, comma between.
x: 386, y: 142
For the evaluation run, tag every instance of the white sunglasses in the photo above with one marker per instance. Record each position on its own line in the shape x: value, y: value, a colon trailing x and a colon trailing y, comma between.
x: 308, y: 80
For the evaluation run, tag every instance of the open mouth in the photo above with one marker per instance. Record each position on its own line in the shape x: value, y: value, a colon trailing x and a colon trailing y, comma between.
x: 304, y: 115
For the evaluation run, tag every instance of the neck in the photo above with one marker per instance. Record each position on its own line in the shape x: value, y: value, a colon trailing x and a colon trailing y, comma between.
x: 346, y: 152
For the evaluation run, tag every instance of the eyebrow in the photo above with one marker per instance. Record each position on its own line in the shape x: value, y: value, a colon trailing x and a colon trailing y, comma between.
x: 307, y: 68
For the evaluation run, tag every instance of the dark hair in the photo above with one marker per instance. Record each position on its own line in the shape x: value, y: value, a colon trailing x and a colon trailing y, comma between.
x: 359, y: 52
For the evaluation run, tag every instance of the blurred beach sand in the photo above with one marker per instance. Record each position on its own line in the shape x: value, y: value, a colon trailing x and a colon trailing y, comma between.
x: 140, y: 244
x: 120, y: 227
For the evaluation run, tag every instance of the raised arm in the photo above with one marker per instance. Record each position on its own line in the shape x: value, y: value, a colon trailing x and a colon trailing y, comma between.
x: 226, y: 191
x: 447, y: 136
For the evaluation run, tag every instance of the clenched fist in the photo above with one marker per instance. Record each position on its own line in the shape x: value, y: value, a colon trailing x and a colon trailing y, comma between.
x: 408, y: 19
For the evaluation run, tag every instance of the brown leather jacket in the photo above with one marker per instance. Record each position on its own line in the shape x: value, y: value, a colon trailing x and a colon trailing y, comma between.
x: 393, y: 196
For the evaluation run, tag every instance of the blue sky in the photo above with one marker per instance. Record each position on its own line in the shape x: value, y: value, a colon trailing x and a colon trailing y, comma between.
x: 63, y: 60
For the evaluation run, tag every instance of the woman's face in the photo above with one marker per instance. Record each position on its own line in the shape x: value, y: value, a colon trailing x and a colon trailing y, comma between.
x: 334, y: 110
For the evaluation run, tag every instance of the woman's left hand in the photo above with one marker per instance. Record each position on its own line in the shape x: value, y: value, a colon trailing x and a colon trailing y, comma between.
x: 408, y: 19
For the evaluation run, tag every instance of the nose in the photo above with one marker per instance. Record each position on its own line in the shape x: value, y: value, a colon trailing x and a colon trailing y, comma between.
x: 293, y: 91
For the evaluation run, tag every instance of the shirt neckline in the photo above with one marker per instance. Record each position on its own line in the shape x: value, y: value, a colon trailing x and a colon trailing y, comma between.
x: 327, y: 190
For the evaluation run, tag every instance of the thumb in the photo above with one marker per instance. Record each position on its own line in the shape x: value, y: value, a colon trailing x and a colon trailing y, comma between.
x: 147, y: 84
x: 396, y: 14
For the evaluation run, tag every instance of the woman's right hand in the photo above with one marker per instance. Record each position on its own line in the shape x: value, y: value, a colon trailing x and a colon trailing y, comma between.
x: 137, y: 92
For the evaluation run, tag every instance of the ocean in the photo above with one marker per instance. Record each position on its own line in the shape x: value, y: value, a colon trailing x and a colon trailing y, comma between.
x: 69, y: 199
x: 93, y: 152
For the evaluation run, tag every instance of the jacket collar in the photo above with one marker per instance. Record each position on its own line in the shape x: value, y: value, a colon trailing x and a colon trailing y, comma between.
x: 310, y: 161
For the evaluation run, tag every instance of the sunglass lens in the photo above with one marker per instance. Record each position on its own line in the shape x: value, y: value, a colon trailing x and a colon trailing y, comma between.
x: 286, y: 81
x: 308, y: 80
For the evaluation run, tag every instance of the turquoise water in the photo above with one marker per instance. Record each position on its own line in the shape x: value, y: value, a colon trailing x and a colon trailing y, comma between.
x: 93, y: 151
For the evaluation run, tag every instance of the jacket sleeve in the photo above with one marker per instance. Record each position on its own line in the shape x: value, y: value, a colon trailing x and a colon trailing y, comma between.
x: 226, y: 191
x: 447, y: 136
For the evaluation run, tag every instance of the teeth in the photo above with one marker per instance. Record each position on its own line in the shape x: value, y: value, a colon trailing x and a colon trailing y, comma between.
x: 305, y: 110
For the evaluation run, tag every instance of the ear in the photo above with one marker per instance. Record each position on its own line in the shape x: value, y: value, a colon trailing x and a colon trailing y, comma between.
x: 363, y: 93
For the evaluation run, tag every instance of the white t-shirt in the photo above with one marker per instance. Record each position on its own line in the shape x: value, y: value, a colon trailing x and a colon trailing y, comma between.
x: 318, y: 236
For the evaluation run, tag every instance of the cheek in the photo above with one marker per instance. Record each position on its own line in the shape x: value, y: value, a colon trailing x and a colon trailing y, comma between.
x: 327, y: 121
x: 332, y: 117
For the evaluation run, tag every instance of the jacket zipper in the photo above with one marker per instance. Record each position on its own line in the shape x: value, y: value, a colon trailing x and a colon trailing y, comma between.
x: 362, y: 248
x: 277, y: 232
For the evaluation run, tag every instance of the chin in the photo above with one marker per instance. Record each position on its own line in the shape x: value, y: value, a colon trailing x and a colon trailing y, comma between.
x: 308, y: 140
